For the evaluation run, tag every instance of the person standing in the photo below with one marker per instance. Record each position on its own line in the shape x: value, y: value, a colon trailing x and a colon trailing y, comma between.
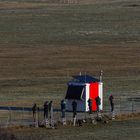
x: 74, y: 108
x: 98, y: 102
x: 63, y: 110
x: 111, y: 100
x: 51, y: 114
x: 35, y: 110
x: 90, y: 105
x: 46, y: 109
x: 50, y: 108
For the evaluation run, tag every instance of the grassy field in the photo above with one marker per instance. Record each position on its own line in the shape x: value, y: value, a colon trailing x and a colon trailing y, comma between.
x: 118, y: 130
x: 42, y: 24
x: 43, y: 44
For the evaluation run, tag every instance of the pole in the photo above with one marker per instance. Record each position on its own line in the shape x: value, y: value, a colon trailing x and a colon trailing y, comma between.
x: 132, y: 105
x: 85, y: 77
x: 101, y: 75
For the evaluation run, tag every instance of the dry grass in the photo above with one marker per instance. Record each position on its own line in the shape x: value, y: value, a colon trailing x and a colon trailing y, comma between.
x: 31, y: 62
x: 123, y: 129
x: 131, y: 116
x: 20, y: 5
x: 42, y: 46
x: 17, y: 4
x: 28, y: 73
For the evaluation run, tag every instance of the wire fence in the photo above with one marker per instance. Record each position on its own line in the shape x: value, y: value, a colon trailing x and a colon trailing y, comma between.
x: 125, y: 104
x: 10, y: 116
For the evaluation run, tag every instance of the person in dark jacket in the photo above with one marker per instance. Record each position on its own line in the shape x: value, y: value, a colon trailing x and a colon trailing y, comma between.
x: 90, y: 105
x: 50, y: 108
x: 74, y: 107
x: 35, y: 109
x: 63, y: 108
x: 46, y: 110
x: 111, y: 100
x: 98, y: 102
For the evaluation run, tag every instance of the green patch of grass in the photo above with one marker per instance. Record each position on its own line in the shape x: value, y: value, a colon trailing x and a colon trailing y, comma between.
x: 73, y: 24
x: 127, y: 130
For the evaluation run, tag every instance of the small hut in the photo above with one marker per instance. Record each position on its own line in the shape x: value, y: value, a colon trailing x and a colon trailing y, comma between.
x: 80, y: 89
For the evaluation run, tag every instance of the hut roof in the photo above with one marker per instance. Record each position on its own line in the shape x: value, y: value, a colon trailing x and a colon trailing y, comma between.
x: 84, y: 79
